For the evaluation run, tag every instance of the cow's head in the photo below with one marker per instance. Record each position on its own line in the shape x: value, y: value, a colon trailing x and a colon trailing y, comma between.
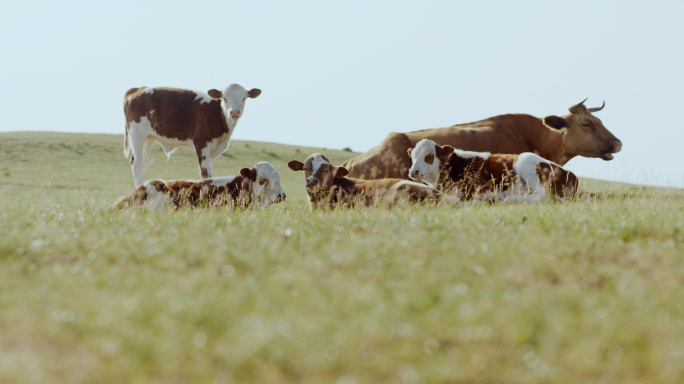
x: 233, y: 99
x: 265, y: 184
x: 427, y: 160
x: 585, y: 134
x: 319, y: 173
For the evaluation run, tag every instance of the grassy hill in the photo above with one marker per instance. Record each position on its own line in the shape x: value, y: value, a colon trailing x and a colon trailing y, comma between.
x: 96, y: 162
x: 581, y: 291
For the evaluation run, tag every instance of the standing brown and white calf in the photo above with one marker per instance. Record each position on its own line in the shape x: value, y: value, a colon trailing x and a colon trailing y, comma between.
x: 479, y: 175
x: 329, y: 187
x: 181, y: 118
x: 259, y: 186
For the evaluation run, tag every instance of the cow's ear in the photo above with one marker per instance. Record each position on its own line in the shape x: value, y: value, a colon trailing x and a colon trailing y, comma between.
x: 254, y: 92
x: 296, y: 165
x: 215, y: 94
x: 554, y: 122
x: 409, y: 151
x: 248, y: 173
x: 445, y: 150
x: 341, y: 172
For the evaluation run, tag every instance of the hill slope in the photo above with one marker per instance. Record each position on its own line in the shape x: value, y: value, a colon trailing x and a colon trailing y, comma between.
x: 96, y: 161
x: 580, y: 291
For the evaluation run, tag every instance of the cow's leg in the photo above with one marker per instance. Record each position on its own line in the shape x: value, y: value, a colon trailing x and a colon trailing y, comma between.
x: 205, y: 160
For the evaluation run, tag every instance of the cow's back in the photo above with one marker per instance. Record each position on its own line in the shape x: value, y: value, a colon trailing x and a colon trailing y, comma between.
x: 174, y: 113
x: 499, y: 134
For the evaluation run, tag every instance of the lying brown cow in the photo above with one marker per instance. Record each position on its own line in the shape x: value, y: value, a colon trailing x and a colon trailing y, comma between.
x: 328, y: 186
x: 259, y: 186
x: 557, y: 139
x: 490, y: 177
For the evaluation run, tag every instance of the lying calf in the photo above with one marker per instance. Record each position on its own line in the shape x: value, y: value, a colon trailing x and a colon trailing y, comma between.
x: 475, y: 175
x: 259, y: 185
x: 329, y: 187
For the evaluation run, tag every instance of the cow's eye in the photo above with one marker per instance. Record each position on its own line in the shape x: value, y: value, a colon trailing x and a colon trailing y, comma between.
x: 586, y: 125
x: 430, y: 158
x: 263, y: 182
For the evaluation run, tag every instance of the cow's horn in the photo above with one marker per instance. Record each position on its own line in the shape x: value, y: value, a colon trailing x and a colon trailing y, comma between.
x: 574, y: 107
x: 597, y: 109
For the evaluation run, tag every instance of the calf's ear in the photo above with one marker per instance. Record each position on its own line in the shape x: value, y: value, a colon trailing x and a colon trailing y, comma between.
x: 215, y: 93
x: 409, y: 151
x: 296, y: 165
x: 444, y: 151
x: 254, y: 92
x: 341, y: 172
x: 248, y: 173
x: 554, y: 122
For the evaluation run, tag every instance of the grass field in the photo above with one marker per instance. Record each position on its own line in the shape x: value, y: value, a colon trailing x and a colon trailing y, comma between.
x: 588, y: 291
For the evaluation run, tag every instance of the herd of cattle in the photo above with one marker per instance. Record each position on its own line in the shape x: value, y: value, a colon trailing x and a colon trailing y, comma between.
x: 512, y: 157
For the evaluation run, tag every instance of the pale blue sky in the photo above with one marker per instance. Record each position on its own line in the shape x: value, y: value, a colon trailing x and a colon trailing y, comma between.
x: 338, y: 74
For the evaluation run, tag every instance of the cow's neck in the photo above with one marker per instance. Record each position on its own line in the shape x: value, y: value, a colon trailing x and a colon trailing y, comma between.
x: 345, y: 185
x: 231, y: 123
x: 549, y: 143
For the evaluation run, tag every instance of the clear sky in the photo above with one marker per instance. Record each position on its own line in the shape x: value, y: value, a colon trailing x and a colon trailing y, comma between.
x: 345, y: 74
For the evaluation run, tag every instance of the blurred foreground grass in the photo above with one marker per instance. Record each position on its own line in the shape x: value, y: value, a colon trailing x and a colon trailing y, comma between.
x: 585, y: 291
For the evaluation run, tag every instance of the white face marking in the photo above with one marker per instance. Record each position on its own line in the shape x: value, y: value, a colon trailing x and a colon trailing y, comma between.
x: 155, y: 200
x: 317, y: 161
x: 234, y: 97
x: 525, y: 168
x: 267, y: 190
x: 420, y: 169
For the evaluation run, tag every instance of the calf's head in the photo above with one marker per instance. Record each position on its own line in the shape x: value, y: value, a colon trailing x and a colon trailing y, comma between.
x: 585, y: 134
x: 428, y: 159
x: 319, y: 173
x: 263, y: 184
x: 233, y: 98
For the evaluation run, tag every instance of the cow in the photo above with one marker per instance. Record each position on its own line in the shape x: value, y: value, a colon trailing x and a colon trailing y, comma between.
x: 259, y: 186
x: 490, y: 177
x: 181, y: 118
x: 328, y: 186
x: 557, y: 139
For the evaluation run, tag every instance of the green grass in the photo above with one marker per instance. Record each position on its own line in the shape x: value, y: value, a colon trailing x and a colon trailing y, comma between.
x: 582, y: 291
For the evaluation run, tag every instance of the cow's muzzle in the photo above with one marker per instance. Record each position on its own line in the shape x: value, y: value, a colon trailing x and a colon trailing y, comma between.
x: 414, y: 174
x: 281, y: 197
x: 615, y: 147
x: 311, y: 183
x: 235, y: 114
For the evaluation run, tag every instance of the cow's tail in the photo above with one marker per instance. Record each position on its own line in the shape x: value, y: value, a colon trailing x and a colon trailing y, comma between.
x: 127, y: 145
x: 127, y: 101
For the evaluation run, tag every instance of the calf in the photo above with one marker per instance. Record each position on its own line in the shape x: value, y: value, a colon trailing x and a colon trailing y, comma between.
x: 329, y: 187
x: 259, y: 186
x: 181, y: 118
x: 480, y: 175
